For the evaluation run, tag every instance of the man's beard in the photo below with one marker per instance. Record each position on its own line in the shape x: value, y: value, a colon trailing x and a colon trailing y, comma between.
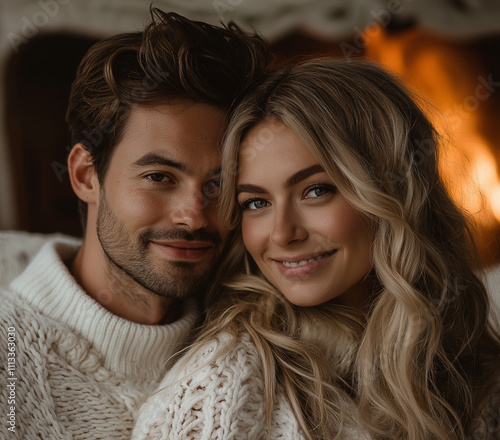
x: 168, y: 279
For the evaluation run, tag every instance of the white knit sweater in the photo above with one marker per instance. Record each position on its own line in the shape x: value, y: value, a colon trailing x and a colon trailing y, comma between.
x: 224, y: 400
x: 79, y: 379
x: 221, y: 400
x: 79, y: 371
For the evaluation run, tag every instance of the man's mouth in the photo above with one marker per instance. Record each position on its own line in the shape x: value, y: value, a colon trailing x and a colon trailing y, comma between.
x: 183, y: 250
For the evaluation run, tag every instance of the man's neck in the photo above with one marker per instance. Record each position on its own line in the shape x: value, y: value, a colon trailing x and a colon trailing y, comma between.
x: 118, y: 293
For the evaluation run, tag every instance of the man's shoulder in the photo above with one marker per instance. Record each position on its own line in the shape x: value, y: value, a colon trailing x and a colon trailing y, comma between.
x: 18, y: 248
x: 18, y: 312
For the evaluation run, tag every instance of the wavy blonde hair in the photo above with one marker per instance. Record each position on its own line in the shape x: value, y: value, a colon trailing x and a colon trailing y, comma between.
x: 415, y: 363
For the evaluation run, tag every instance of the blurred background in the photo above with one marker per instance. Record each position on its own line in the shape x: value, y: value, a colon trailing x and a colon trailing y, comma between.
x: 448, y: 51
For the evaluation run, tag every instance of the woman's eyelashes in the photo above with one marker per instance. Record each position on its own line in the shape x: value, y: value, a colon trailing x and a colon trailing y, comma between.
x: 318, y: 190
x: 253, y: 204
x: 315, y: 191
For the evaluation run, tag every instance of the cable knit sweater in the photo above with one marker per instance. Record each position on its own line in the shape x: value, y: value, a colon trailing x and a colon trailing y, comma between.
x: 221, y: 400
x: 72, y: 385
x: 224, y: 400
x: 79, y: 372
x: 218, y: 394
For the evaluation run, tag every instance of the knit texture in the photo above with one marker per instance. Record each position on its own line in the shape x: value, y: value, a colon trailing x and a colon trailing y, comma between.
x: 80, y: 372
x: 220, y: 400
x: 17, y: 249
x: 221, y: 397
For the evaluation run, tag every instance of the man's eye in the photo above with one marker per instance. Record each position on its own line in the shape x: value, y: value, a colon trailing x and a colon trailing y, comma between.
x: 212, y: 188
x: 158, y: 177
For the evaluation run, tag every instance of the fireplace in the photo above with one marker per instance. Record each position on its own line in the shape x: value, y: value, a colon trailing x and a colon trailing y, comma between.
x: 457, y: 69
x: 460, y: 79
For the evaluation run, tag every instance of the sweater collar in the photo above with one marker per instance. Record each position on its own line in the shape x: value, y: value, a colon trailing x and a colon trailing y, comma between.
x: 127, y: 348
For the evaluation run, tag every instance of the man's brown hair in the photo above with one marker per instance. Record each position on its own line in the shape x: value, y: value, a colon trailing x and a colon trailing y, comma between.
x: 172, y: 58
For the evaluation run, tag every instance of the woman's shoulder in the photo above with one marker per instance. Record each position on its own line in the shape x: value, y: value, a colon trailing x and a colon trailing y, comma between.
x: 221, y: 354
x: 218, y: 386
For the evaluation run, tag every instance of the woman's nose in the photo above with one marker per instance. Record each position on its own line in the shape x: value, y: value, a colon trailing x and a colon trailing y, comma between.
x: 287, y: 228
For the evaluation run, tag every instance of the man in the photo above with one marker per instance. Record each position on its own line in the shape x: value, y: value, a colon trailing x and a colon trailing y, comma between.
x: 91, y: 327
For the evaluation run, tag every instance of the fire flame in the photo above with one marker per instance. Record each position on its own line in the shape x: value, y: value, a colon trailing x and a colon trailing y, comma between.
x: 451, y: 80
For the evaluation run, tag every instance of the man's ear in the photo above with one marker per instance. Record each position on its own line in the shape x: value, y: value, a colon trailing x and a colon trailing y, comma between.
x: 82, y: 174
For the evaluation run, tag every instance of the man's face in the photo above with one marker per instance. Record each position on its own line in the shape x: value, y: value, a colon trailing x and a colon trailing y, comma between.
x: 157, y: 212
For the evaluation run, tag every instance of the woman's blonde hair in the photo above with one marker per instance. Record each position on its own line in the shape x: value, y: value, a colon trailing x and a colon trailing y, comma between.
x: 415, y: 362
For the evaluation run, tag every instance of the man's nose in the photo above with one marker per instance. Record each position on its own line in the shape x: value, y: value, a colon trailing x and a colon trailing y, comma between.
x: 191, y: 210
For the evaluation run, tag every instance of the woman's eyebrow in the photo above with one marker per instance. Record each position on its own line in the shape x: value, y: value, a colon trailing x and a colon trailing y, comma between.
x: 299, y: 176
x: 246, y: 187
x: 291, y: 181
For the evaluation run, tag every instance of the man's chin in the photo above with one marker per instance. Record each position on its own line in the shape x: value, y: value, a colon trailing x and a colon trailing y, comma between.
x: 179, y: 280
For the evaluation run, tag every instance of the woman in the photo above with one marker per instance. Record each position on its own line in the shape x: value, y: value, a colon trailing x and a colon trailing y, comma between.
x: 357, y: 312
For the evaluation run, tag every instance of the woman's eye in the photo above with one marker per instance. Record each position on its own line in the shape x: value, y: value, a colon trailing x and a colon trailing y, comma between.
x: 158, y: 177
x: 254, y: 204
x: 319, y: 191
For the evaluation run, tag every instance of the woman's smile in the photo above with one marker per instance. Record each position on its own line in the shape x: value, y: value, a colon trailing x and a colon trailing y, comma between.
x: 300, y: 267
x: 304, y: 235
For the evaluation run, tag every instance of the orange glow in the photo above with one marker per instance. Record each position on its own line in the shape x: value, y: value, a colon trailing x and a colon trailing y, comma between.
x: 451, y: 80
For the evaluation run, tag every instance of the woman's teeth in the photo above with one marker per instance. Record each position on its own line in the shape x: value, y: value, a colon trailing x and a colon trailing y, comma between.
x: 309, y: 260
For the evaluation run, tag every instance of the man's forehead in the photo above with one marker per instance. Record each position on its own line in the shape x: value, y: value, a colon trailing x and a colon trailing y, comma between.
x: 187, y: 134
x: 185, y: 118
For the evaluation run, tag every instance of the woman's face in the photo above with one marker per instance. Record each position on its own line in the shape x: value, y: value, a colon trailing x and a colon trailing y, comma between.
x: 306, y: 238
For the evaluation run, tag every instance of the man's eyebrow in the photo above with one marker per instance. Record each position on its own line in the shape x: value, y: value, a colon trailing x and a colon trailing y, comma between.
x: 299, y: 176
x: 159, y: 159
